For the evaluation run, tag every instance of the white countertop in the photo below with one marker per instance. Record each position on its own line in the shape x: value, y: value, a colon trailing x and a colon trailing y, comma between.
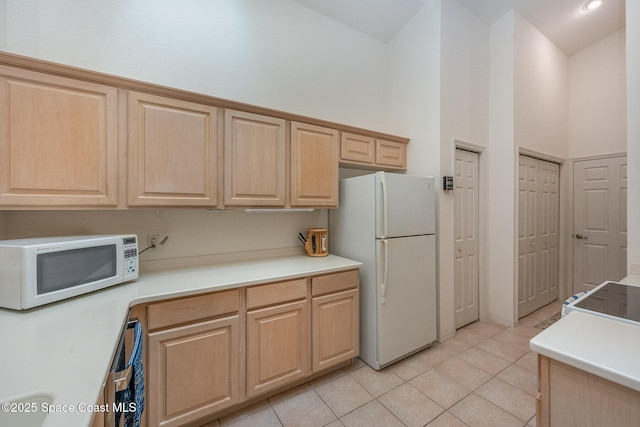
x: 605, y: 347
x: 63, y: 351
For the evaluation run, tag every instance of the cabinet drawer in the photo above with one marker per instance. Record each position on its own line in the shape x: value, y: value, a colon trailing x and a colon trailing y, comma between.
x: 192, y: 309
x: 276, y: 293
x: 334, y: 282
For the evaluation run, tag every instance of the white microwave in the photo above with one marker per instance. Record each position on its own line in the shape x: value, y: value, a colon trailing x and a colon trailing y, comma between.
x: 43, y: 270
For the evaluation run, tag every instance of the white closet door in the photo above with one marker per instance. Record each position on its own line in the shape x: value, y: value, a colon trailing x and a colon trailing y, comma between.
x: 466, y: 246
x: 538, y: 223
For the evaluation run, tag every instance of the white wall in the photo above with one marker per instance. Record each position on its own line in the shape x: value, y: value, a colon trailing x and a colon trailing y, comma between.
x: 633, y: 134
x: 414, y: 110
x: 529, y: 112
x: 597, y: 98
x: 275, y: 54
x: 464, y: 110
x: 541, y: 79
x: 414, y: 88
x: 192, y: 232
x: 501, y: 155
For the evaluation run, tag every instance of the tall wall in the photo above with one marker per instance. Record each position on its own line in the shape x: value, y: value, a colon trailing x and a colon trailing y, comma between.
x: 541, y: 85
x: 597, y: 98
x: 464, y: 110
x: 275, y: 54
x: 414, y: 109
x: 633, y: 134
x: 500, y: 244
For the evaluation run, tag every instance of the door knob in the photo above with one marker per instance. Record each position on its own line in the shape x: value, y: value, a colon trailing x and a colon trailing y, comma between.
x: 580, y: 237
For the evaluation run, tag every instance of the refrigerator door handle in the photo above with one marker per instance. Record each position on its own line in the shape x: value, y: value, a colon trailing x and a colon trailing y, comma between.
x: 385, y: 211
x: 385, y: 264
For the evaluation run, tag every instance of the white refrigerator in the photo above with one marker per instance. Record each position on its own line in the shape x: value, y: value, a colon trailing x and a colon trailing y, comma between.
x: 387, y: 222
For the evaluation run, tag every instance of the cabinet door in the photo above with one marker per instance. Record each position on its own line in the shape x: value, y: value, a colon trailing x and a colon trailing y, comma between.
x: 58, y: 141
x: 391, y: 154
x: 314, y: 166
x: 194, y: 371
x: 278, y: 346
x: 172, y: 152
x: 357, y: 149
x: 335, y: 320
x: 254, y: 160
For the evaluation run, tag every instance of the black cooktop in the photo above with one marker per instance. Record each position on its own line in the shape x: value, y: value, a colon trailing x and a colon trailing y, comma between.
x: 614, y: 299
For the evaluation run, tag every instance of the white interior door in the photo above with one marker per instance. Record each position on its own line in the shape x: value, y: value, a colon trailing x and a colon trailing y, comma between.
x: 599, y: 222
x: 466, y: 244
x: 538, y: 239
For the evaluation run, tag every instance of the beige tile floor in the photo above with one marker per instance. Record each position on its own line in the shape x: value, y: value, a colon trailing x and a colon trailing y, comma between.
x: 484, y: 376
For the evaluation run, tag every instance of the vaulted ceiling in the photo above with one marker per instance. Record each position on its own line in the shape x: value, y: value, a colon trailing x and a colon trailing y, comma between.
x: 564, y: 22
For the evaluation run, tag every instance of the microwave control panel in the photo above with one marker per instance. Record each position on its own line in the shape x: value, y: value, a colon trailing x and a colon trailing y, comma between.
x: 130, y: 246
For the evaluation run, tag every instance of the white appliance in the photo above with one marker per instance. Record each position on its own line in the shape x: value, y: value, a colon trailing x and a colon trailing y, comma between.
x: 618, y: 301
x: 387, y: 222
x: 39, y: 271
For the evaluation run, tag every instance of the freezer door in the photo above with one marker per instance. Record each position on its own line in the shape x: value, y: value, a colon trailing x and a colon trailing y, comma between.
x: 405, y: 205
x: 406, y: 295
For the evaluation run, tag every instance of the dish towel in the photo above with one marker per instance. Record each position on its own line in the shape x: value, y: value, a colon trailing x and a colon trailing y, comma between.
x: 134, y: 393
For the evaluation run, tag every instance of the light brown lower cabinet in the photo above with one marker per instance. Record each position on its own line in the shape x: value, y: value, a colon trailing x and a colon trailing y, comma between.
x: 98, y: 419
x: 335, y: 319
x: 278, y: 346
x: 572, y: 397
x: 206, y: 354
x: 194, y: 370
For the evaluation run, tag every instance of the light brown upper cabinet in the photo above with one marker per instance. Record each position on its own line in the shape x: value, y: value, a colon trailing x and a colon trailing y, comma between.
x: 254, y: 160
x: 357, y: 148
x: 58, y: 141
x: 172, y: 152
x: 391, y: 154
x: 314, y: 165
x: 372, y: 153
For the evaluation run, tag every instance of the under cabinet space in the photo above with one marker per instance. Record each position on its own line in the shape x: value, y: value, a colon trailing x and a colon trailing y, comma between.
x: 59, y: 139
x: 254, y: 160
x: 172, y: 152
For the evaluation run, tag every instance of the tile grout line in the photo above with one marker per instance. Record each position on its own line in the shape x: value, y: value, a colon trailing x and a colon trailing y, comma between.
x: 453, y: 354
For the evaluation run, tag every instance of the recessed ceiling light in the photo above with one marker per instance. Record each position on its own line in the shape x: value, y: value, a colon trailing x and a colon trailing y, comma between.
x: 592, y: 4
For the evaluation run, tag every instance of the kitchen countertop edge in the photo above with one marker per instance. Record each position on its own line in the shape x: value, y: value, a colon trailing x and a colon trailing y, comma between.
x: 601, y: 346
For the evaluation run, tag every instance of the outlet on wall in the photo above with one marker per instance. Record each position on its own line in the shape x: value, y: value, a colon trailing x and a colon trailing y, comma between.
x: 152, y: 241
